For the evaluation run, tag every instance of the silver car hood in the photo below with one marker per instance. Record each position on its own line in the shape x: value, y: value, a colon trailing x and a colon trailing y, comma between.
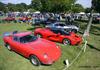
x: 71, y: 26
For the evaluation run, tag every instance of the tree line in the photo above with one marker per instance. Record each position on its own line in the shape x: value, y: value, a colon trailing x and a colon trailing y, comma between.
x: 13, y: 7
x: 55, y: 6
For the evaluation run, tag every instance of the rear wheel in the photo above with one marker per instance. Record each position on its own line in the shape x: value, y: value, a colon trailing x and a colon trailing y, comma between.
x: 34, y: 60
x: 66, y: 42
x: 39, y: 35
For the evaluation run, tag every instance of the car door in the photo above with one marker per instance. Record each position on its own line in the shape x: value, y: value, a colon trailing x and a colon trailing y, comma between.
x: 59, y: 35
x: 57, y: 26
x: 19, y: 47
x: 55, y: 36
x: 13, y: 43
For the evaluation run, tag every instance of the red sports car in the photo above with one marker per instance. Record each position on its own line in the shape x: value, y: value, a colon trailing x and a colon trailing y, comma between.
x: 9, y: 19
x: 36, y: 49
x: 59, y: 35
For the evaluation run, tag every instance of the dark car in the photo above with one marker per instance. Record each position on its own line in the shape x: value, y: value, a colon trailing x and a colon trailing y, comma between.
x: 59, y: 25
x: 96, y: 19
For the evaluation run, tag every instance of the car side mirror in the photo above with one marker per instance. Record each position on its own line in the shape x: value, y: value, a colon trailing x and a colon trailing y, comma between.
x: 58, y: 34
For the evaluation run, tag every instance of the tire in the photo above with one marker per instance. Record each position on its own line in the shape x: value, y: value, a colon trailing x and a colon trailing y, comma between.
x: 66, y: 42
x: 8, y: 47
x: 34, y: 60
x: 73, y: 30
x: 39, y: 35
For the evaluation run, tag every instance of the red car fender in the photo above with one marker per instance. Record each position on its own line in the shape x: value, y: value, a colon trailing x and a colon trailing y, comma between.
x: 39, y: 55
x: 6, y: 39
x: 33, y: 52
x: 42, y: 32
x: 75, y: 39
x: 38, y: 31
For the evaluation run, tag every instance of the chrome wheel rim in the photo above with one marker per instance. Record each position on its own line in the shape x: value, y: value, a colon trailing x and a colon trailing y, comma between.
x: 65, y: 42
x: 39, y: 36
x: 8, y: 47
x: 33, y: 61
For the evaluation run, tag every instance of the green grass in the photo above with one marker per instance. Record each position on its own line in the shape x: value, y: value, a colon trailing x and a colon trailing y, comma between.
x: 90, y: 60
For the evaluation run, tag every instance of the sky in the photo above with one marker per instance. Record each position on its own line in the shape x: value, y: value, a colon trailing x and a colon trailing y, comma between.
x: 16, y: 1
x: 84, y: 3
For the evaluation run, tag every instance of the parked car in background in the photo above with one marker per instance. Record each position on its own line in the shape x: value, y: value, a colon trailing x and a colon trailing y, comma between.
x: 39, y: 51
x: 96, y: 19
x: 9, y: 19
x: 59, y: 25
x: 24, y: 19
x: 58, y: 35
x: 1, y: 13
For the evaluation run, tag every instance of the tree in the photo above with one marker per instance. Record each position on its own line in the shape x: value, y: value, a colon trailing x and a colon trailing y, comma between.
x: 21, y: 7
x: 52, y: 5
x: 86, y: 33
x: 62, y: 5
x: 46, y: 5
x: 77, y: 8
x: 3, y: 7
x: 87, y: 10
x: 11, y: 7
x: 32, y: 10
x: 96, y: 5
x: 36, y: 4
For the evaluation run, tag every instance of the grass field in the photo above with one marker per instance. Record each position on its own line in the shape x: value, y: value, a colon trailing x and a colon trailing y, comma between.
x: 90, y: 60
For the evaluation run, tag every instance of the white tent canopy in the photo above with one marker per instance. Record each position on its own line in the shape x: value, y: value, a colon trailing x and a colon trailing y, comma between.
x: 82, y: 13
x: 37, y: 12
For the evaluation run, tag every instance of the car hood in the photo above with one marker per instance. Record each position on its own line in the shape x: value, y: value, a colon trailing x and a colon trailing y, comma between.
x: 70, y: 26
x: 42, y: 44
x: 45, y: 47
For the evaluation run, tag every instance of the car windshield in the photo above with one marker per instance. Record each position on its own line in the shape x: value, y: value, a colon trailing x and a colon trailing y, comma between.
x: 28, y: 38
x: 61, y: 31
x: 62, y: 24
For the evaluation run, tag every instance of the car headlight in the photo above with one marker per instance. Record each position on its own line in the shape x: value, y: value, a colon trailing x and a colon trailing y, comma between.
x: 77, y: 28
x: 46, y: 26
x: 45, y: 55
x: 57, y: 46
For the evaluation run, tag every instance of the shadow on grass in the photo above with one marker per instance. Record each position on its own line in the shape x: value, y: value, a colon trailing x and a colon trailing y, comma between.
x: 95, y: 30
x: 31, y: 29
x: 80, y: 32
x: 95, y: 27
x: 92, y: 47
x: 96, y: 33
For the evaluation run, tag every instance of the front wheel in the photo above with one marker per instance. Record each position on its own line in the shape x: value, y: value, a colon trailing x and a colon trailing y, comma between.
x: 8, y: 47
x: 66, y: 42
x: 34, y: 60
x: 75, y: 31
